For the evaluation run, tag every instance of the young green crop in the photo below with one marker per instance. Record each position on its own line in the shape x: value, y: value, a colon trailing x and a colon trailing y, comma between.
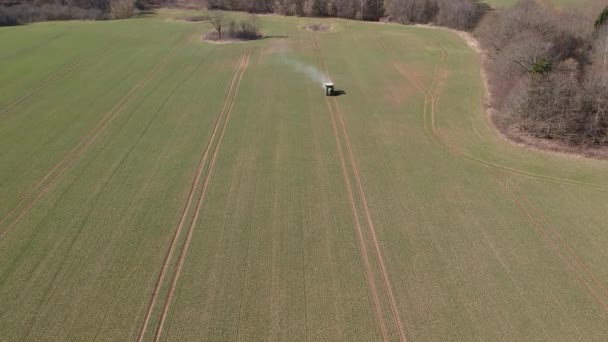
x: 395, y: 207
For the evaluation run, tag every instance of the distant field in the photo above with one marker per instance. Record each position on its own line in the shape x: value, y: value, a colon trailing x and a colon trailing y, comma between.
x: 155, y: 187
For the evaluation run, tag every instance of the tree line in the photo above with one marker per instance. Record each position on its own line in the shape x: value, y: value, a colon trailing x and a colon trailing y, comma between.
x: 548, y: 69
x: 19, y: 12
x: 461, y: 14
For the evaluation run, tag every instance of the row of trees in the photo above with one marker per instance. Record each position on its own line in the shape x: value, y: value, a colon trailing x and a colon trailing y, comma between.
x: 549, y: 71
x: 353, y: 9
x: 460, y: 14
x: 27, y: 11
x: 103, y: 5
x: 452, y: 13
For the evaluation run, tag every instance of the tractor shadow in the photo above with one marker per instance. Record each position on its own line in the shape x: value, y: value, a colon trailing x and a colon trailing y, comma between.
x: 271, y: 36
x: 338, y: 92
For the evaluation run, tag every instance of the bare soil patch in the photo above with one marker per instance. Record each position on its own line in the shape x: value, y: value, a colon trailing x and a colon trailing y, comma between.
x: 523, y: 139
x: 195, y: 18
x: 318, y: 27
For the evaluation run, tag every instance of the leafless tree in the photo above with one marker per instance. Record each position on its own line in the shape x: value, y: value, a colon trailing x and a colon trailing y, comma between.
x: 413, y: 11
x: 309, y: 8
x: 218, y: 21
x: 597, y: 85
x: 121, y: 9
x: 549, y: 68
x: 460, y: 14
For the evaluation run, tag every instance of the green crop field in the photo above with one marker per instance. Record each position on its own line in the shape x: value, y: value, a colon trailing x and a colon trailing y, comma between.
x: 157, y: 187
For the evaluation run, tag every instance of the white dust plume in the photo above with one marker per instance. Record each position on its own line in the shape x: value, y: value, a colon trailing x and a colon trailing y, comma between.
x: 313, y: 73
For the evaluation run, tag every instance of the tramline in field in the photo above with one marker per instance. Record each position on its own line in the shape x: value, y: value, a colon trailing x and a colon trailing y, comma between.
x: 158, y: 186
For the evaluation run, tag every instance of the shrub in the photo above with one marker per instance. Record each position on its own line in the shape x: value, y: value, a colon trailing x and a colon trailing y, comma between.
x: 244, y: 30
x: 8, y: 18
x: 122, y: 9
x: 318, y: 27
x: 602, y: 19
x: 196, y: 18
x: 542, y: 66
x: 226, y: 28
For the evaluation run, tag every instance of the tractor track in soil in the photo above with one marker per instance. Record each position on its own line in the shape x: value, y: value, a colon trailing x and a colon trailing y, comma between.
x: 576, y: 268
x: 431, y: 95
x: 69, y: 159
x: 82, y: 248
x: 221, y: 120
x: 372, y: 229
x: 247, y: 253
x: 34, y: 47
x: 404, y: 71
x: 513, y: 171
x: 370, y: 223
x: 338, y: 113
x: 199, y: 65
x: 197, y: 211
x: 544, y: 220
x: 360, y: 238
x: 410, y: 76
x: 493, y: 168
x: 8, y: 107
x: 439, y: 84
x: 535, y: 216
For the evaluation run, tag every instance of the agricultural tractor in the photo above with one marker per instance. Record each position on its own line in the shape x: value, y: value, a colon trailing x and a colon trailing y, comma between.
x: 329, y: 89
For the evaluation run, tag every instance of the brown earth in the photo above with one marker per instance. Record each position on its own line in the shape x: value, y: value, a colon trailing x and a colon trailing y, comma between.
x: 318, y: 27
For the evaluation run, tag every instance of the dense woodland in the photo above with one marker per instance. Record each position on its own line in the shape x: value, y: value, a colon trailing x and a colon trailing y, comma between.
x: 462, y: 14
x: 453, y: 13
x: 19, y: 12
x: 548, y: 71
x: 548, y: 68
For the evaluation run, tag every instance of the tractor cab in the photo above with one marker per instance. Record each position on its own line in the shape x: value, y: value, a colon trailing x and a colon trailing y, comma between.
x: 329, y: 89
